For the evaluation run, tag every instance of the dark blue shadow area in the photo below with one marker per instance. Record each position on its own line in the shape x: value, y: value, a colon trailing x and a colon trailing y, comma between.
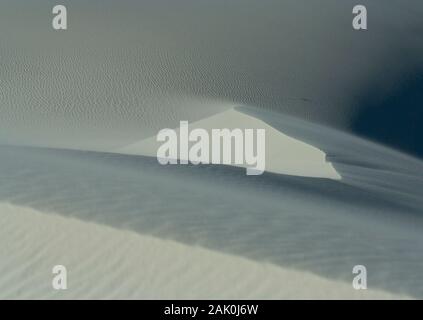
x: 396, y: 119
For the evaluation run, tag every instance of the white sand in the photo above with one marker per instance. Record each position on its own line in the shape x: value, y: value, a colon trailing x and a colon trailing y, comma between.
x: 131, y: 228
x: 122, y: 71
x: 107, y: 263
x: 288, y: 228
x: 284, y: 155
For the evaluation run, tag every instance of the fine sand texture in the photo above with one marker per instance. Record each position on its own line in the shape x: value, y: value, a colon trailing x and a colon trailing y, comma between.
x: 283, y: 154
x: 124, y: 70
x: 80, y: 184
x: 318, y: 226
x: 105, y: 263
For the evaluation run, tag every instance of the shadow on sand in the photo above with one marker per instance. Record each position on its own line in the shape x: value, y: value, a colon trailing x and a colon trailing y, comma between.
x: 321, y: 226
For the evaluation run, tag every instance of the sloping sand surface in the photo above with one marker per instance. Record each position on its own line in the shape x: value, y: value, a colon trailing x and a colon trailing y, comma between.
x: 124, y: 70
x: 80, y: 185
x: 314, y: 226
x: 105, y: 263
x: 284, y: 155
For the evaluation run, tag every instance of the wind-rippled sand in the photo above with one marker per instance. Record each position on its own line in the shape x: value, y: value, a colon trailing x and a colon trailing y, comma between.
x: 106, y: 263
x: 80, y: 186
x: 318, y: 226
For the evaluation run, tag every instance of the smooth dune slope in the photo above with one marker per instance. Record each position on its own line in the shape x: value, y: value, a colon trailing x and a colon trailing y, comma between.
x: 283, y: 154
x: 105, y: 263
x: 122, y: 71
x: 80, y: 184
x: 311, y: 225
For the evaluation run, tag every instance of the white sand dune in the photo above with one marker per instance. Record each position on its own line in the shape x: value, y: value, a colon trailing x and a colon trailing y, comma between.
x: 105, y: 263
x: 284, y: 155
x: 122, y: 71
x: 79, y: 185
x: 319, y: 228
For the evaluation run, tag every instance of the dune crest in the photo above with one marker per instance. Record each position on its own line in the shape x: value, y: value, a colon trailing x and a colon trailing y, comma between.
x: 106, y: 263
x: 284, y: 154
